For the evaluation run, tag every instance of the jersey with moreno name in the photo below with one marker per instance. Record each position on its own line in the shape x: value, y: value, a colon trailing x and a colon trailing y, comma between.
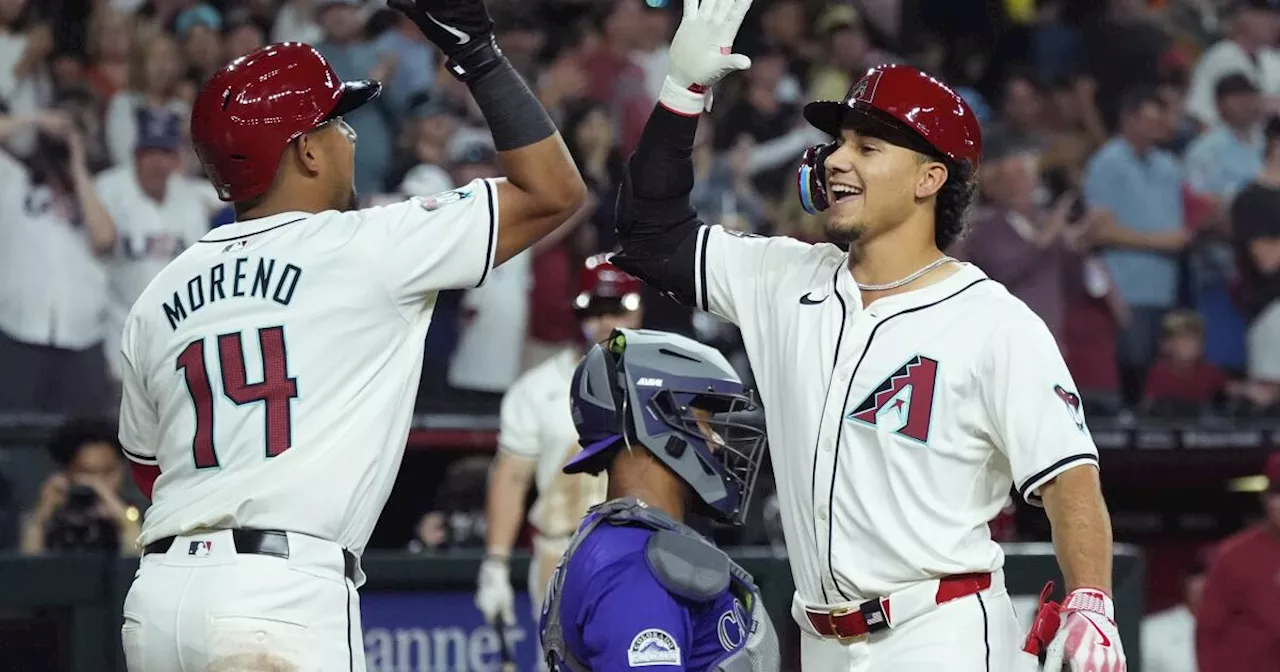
x: 271, y: 369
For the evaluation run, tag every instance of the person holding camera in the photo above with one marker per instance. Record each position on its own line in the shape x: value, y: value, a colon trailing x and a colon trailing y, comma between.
x: 80, y: 506
x: 53, y: 285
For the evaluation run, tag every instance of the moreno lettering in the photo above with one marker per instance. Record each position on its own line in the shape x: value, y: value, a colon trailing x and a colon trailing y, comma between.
x: 242, y: 277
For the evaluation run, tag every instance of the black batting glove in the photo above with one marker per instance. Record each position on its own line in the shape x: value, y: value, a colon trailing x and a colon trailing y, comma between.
x: 462, y: 29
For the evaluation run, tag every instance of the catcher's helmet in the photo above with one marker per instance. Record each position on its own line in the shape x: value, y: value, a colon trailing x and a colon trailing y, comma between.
x: 605, y: 289
x: 902, y: 105
x: 678, y: 399
x: 251, y: 109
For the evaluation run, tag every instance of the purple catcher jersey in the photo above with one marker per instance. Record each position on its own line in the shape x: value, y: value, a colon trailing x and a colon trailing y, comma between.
x: 617, y: 615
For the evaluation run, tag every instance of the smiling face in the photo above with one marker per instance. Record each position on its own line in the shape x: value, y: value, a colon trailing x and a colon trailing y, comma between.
x: 875, y: 186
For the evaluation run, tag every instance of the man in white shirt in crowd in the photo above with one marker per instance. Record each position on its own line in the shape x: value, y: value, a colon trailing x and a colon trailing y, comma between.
x: 158, y: 213
x: 53, y: 233
x: 1169, y: 636
x: 1249, y: 47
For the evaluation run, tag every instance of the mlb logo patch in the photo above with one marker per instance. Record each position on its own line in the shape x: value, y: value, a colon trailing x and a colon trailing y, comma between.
x: 235, y: 247
x: 200, y: 549
x: 440, y: 200
x: 653, y: 647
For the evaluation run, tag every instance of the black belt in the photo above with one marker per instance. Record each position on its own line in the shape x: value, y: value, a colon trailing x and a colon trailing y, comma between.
x: 256, y: 542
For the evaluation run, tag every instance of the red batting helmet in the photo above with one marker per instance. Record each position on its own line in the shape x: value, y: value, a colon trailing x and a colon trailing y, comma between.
x: 250, y: 110
x: 901, y: 104
x: 902, y: 96
x: 605, y: 288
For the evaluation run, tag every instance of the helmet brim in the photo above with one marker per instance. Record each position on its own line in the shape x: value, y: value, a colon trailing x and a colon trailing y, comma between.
x: 831, y: 117
x: 584, y: 459
x: 355, y: 94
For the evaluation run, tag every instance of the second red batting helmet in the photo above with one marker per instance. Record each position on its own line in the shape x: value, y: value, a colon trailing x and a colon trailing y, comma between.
x: 901, y: 104
x: 605, y: 288
x: 250, y: 110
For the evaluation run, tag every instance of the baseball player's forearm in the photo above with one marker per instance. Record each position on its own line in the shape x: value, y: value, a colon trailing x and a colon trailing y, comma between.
x: 1081, y: 528
x: 504, y: 502
x: 102, y: 230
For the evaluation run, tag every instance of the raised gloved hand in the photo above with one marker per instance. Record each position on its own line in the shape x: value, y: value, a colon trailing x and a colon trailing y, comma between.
x: 494, y: 596
x: 702, y: 53
x: 1087, y: 639
x: 462, y: 29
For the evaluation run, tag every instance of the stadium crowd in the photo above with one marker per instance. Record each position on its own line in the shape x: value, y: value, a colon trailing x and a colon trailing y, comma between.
x: 1130, y: 186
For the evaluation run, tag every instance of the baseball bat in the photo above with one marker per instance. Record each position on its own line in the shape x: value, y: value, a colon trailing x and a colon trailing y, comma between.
x: 508, y: 657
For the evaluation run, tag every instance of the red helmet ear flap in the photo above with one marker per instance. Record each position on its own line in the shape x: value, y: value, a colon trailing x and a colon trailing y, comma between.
x: 811, y: 178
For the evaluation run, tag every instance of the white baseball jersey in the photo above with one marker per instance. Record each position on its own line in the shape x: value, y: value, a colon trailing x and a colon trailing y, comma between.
x: 537, y: 424
x: 896, y: 430
x: 271, y: 369
x: 149, y: 235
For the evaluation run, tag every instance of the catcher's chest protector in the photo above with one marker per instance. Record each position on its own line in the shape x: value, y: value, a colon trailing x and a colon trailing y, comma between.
x: 687, y: 565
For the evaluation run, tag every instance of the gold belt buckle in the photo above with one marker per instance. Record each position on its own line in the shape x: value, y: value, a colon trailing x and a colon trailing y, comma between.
x: 835, y: 629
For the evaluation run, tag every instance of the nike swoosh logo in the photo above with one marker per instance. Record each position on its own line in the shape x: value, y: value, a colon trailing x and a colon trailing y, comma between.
x: 1106, y: 641
x: 463, y: 38
x: 808, y: 301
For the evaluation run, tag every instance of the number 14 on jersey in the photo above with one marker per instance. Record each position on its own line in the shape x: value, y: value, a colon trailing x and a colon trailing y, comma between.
x: 276, y: 391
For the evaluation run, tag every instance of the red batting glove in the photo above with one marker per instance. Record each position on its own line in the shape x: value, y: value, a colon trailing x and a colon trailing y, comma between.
x: 1087, y: 640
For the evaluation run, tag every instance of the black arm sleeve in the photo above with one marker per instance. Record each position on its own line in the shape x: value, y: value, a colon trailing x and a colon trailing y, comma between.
x: 656, y: 225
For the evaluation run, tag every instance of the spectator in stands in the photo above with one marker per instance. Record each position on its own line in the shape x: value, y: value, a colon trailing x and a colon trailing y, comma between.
x: 593, y: 143
x: 416, y: 63
x: 154, y: 79
x: 1182, y: 127
x: 25, y: 84
x: 563, y: 80
x: 354, y: 57
x: 110, y: 42
x: 296, y: 22
x: 1021, y: 120
x: 1141, y: 184
x: 783, y: 25
x: 158, y: 211
x: 613, y: 75
x: 1255, y: 231
x: 1168, y: 637
x: 199, y: 30
x: 761, y: 115
x: 1181, y: 381
x: 241, y: 34
x: 1228, y: 155
x: 656, y: 30
x: 848, y: 52
x: 723, y: 191
x: 1074, y: 130
x: 424, y: 146
x: 53, y: 233
x: 81, y: 505
x: 1249, y: 48
x: 1015, y: 240
x: 1238, y: 624
x: 1121, y: 49
x: 457, y: 517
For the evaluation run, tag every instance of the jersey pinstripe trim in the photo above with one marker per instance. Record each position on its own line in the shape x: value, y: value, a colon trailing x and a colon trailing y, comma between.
x: 138, y: 457
x: 490, y: 253
x: 835, y: 365
x: 1033, y: 482
x: 835, y: 463
x: 700, y: 268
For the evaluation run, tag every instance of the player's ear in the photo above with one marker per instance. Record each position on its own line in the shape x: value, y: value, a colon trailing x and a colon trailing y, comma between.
x: 930, y: 178
x: 309, y: 154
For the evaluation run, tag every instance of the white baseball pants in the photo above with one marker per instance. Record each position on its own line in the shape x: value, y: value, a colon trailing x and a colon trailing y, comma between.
x: 202, y: 607
x: 977, y: 633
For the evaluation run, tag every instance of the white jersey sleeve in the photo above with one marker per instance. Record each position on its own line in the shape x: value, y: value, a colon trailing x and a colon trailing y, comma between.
x: 423, y: 245
x: 139, y: 417
x: 731, y: 269
x: 1037, y: 419
x: 519, y: 422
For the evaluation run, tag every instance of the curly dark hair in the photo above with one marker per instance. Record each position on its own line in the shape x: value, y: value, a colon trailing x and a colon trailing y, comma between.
x: 951, y: 209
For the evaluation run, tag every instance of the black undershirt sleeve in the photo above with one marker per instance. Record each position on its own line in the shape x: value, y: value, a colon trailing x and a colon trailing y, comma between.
x: 657, y: 226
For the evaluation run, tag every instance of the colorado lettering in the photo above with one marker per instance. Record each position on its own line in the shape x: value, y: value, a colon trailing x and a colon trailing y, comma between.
x: 260, y: 278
